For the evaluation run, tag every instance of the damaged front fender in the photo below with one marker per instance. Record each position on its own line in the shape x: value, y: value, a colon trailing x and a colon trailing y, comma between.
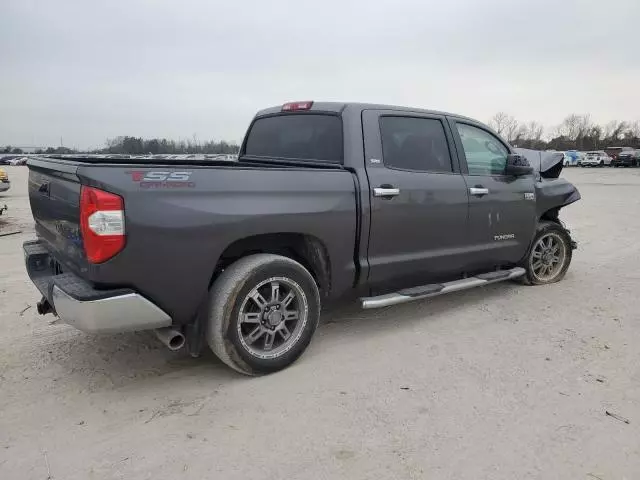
x: 552, y: 192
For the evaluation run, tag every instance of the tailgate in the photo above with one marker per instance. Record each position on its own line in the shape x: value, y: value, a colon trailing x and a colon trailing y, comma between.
x: 54, y: 194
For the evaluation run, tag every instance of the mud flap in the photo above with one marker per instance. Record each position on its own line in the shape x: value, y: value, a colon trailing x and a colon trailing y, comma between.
x: 194, y: 331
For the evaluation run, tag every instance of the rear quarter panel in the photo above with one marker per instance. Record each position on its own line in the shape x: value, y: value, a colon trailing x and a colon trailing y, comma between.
x: 175, y: 235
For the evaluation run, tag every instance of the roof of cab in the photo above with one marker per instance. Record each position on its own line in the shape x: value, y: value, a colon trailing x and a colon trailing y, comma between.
x: 339, y: 107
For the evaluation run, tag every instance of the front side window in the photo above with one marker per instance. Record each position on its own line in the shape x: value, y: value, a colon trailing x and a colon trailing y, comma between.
x: 418, y: 144
x: 302, y: 136
x: 486, y: 155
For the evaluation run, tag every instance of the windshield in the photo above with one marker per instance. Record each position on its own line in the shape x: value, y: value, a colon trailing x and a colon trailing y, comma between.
x: 303, y: 136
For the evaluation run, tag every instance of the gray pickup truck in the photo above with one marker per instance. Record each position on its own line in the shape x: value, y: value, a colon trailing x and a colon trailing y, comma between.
x: 326, y: 201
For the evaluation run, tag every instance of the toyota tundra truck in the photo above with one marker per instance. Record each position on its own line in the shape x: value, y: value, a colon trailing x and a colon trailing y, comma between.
x: 325, y: 202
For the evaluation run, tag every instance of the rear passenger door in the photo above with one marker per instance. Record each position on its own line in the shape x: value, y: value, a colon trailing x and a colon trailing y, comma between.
x: 418, y: 199
x: 502, y: 208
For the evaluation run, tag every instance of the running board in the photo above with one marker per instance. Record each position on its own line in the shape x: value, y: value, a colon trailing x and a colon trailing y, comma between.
x: 433, y: 290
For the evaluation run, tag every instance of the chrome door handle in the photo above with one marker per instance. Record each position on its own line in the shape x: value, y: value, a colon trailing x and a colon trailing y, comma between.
x: 478, y: 191
x: 386, y: 192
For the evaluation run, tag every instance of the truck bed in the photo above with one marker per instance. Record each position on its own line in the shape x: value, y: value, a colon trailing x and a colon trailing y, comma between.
x: 182, y: 218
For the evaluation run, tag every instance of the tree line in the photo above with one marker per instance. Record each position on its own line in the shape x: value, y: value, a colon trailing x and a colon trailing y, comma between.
x: 575, y: 132
x: 49, y: 150
x: 139, y: 146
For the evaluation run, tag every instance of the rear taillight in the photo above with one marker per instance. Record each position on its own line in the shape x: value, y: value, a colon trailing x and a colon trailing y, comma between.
x: 297, y: 106
x: 101, y: 224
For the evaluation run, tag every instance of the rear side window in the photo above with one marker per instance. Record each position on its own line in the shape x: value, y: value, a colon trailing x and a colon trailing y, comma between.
x: 303, y: 136
x: 418, y: 144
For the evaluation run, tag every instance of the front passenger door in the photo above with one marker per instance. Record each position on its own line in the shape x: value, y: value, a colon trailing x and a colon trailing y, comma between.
x: 502, y: 208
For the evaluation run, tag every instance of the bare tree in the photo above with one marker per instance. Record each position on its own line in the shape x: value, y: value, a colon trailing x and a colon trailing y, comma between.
x: 514, y: 131
x: 570, y: 127
x: 500, y: 122
x: 506, y: 126
x: 535, y: 130
x: 633, y: 129
x: 613, y: 130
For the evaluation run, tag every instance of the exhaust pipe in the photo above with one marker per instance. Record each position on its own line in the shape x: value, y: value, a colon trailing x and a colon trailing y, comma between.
x: 173, y: 339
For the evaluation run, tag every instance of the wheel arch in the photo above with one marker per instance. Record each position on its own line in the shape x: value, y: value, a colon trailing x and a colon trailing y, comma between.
x: 308, y: 250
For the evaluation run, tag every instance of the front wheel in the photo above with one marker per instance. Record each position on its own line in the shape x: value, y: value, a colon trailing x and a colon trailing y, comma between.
x: 549, y: 256
x: 264, y: 310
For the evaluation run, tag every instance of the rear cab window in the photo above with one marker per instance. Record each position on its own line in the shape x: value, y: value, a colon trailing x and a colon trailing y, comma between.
x: 296, y: 136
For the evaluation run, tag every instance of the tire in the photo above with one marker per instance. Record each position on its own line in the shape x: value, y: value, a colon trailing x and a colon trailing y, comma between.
x: 561, y: 238
x: 242, y: 343
x: 601, y: 163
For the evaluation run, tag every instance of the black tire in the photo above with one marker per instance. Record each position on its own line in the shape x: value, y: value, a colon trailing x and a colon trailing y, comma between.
x: 230, y: 296
x: 545, y: 230
x: 601, y: 163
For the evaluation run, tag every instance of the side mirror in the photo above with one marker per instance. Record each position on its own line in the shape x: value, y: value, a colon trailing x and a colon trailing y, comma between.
x: 517, y: 165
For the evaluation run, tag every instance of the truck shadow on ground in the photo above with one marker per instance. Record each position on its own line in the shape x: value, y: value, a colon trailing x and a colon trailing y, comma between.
x: 112, y: 361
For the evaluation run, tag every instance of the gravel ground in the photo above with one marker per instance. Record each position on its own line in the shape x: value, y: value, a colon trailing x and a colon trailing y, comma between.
x: 507, y: 382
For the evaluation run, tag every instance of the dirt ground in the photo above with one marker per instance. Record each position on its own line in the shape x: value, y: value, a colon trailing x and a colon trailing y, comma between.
x: 507, y: 382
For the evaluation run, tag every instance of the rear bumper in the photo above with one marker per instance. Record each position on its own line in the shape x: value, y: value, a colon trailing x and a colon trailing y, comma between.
x: 77, y: 303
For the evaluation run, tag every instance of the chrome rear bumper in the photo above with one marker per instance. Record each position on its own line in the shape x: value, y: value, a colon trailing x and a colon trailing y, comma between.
x: 94, y: 311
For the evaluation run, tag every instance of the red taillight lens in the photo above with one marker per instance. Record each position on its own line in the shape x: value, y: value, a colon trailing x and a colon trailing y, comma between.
x: 295, y: 106
x: 101, y: 224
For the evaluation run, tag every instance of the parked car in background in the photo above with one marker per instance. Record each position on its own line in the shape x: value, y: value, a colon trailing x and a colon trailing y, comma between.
x: 613, y: 152
x: 18, y: 161
x: 627, y: 158
x: 571, y: 158
x: 597, y: 158
x: 4, y: 181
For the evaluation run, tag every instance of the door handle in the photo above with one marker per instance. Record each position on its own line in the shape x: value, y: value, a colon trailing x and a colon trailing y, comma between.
x: 479, y: 191
x: 386, y: 192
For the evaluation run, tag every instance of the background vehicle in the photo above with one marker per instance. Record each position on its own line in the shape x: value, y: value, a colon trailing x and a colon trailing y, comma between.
x: 325, y: 201
x: 627, y: 158
x: 596, y: 159
x: 4, y: 181
x: 17, y: 161
x: 572, y: 158
x: 613, y: 152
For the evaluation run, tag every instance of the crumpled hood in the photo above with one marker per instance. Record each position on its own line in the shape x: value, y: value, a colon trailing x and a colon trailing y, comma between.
x: 548, y: 164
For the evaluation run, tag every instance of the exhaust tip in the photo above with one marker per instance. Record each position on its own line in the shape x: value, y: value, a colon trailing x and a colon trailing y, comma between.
x: 176, y: 342
x: 171, y: 338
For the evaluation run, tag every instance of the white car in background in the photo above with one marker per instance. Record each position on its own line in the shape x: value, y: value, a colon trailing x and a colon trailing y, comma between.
x: 596, y: 158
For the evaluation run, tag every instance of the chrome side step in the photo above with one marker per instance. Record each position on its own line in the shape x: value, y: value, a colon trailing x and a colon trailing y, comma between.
x: 433, y: 290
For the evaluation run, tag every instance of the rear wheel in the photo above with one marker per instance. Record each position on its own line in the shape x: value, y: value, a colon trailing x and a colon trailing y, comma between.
x: 602, y: 163
x: 264, y: 311
x: 549, y: 256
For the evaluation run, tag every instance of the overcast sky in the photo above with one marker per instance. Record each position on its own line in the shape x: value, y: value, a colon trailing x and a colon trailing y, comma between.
x: 87, y: 70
